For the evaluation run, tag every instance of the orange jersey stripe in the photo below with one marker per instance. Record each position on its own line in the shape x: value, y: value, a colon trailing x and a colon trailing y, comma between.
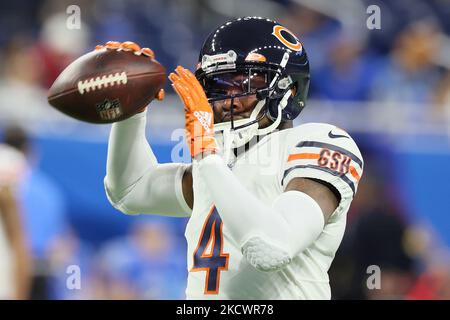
x: 354, y: 173
x: 297, y: 156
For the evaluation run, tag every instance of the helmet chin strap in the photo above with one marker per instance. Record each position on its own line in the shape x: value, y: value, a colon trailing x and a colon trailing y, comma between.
x: 281, y: 105
x: 235, y: 138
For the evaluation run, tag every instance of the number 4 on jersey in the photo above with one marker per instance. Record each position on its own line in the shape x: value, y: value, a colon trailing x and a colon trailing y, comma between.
x: 208, y: 255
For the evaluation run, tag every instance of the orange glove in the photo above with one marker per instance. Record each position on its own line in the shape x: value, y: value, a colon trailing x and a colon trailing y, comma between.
x: 136, y: 49
x: 199, y: 115
x: 127, y: 46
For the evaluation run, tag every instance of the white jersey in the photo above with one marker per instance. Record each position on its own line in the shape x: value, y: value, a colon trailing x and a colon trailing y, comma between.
x: 217, y: 268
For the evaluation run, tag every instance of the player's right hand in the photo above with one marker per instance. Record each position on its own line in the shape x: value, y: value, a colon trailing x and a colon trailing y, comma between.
x: 137, y: 50
x: 199, y: 116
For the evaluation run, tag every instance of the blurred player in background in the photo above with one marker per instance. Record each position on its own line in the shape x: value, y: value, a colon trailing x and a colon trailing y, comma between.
x: 43, y: 210
x: 15, y: 261
x: 267, y: 201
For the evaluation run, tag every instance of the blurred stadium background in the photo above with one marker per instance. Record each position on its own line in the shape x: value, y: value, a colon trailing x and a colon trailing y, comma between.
x: 389, y: 87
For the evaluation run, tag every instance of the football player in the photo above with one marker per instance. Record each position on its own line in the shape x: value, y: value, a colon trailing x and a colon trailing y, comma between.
x: 15, y: 258
x: 267, y: 201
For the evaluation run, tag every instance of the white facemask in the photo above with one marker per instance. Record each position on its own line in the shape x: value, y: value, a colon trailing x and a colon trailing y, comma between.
x: 229, y: 139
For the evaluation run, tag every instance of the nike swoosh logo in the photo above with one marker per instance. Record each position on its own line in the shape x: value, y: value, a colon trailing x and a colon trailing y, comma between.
x: 333, y: 136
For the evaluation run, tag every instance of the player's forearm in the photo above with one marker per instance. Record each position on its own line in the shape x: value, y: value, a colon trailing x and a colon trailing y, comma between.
x: 286, y: 227
x: 242, y: 213
x: 129, y: 154
x: 135, y: 182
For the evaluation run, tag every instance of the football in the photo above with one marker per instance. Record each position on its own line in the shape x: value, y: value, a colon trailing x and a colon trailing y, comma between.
x: 105, y: 86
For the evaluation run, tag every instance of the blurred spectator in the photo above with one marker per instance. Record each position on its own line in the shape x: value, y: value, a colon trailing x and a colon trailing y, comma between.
x: 378, y: 240
x: 14, y: 256
x: 158, y: 24
x: 58, y: 46
x: 18, y: 17
x: 69, y: 258
x: 21, y: 97
x: 316, y: 32
x: 442, y: 99
x: 348, y: 73
x: 409, y: 75
x: 44, y: 210
x: 146, y: 264
x: 433, y: 282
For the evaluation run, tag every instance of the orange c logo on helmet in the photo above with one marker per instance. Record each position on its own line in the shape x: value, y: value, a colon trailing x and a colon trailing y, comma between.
x: 297, y: 46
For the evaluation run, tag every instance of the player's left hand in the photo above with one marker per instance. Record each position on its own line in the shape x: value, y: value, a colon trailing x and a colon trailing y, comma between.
x: 199, y: 115
x: 137, y: 50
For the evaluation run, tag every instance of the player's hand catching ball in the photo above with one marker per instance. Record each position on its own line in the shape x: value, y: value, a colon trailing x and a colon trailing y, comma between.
x: 199, y: 115
x: 137, y: 50
x: 109, y: 84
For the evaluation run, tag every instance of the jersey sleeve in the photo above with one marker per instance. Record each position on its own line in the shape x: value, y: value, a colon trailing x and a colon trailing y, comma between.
x: 324, y: 152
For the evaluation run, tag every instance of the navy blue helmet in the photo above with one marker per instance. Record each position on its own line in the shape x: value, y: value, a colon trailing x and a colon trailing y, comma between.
x: 256, y: 46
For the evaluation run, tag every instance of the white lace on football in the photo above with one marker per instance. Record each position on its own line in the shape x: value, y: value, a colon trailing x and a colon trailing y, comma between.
x: 103, y: 81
